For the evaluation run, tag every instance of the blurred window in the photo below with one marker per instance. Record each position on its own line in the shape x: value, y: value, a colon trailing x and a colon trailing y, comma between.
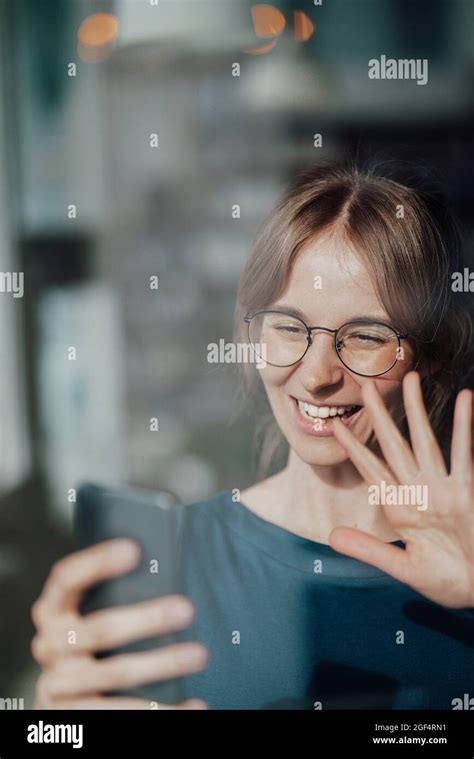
x: 14, y: 443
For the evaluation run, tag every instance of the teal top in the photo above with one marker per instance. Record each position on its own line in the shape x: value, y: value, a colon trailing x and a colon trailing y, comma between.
x: 290, y: 623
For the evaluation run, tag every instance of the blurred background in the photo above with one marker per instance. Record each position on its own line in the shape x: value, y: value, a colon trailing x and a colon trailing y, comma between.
x: 142, y: 143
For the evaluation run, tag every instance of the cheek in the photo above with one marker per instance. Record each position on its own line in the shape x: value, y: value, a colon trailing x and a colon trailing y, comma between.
x: 273, y: 377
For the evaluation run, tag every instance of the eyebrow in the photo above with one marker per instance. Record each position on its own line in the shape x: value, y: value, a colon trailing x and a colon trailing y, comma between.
x: 292, y: 311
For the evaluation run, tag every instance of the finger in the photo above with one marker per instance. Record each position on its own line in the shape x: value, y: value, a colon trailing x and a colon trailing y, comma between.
x: 368, y: 465
x: 424, y: 443
x: 370, y: 550
x: 85, y: 675
x: 107, y: 703
x: 396, y: 451
x: 105, y: 629
x: 461, y: 452
x: 71, y: 576
x: 104, y: 702
x: 109, y: 628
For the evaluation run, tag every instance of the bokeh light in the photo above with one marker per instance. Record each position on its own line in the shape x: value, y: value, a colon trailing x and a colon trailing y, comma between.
x: 304, y: 27
x: 267, y: 22
x: 96, y: 37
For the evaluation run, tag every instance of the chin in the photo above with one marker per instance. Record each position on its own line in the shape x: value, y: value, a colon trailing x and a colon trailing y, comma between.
x: 321, y: 452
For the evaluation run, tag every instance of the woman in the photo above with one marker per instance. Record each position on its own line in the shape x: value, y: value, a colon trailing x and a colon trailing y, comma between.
x: 345, y: 580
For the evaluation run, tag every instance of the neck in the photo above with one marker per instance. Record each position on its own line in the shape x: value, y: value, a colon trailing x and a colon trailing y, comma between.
x: 312, y: 500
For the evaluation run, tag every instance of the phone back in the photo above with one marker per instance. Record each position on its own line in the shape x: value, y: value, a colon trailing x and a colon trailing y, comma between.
x: 149, y: 518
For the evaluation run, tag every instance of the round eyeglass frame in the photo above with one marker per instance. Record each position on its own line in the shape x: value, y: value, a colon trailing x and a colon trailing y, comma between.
x: 309, y: 337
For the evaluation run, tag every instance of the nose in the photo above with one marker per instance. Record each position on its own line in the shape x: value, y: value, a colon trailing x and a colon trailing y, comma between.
x: 320, y: 366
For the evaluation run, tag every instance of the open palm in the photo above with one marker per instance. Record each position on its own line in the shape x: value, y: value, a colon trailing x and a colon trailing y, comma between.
x: 438, y: 559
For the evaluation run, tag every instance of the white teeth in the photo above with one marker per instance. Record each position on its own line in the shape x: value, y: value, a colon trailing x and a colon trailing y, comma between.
x: 322, y: 412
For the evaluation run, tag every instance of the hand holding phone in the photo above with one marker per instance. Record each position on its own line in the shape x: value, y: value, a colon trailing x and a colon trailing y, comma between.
x: 97, y: 655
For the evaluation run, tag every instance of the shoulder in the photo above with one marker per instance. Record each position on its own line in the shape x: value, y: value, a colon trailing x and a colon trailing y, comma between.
x: 197, y: 511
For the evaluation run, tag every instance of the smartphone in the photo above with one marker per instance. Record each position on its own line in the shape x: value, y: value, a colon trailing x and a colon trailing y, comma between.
x: 149, y: 518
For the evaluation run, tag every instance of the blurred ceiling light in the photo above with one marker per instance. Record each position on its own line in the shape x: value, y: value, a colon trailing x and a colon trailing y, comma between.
x: 304, y: 27
x: 267, y: 22
x: 96, y: 37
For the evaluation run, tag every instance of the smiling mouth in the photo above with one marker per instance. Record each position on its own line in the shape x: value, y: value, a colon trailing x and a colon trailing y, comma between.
x: 312, y: 412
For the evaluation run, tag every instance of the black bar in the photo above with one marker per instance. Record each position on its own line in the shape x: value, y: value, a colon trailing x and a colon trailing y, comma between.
x: 324, y: 734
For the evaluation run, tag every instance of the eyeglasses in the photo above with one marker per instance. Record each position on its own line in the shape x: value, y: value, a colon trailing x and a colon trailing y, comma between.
x: 365, y: 347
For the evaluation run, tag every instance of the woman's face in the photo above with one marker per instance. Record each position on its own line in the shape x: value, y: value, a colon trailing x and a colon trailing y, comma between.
x: 344, y: 293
